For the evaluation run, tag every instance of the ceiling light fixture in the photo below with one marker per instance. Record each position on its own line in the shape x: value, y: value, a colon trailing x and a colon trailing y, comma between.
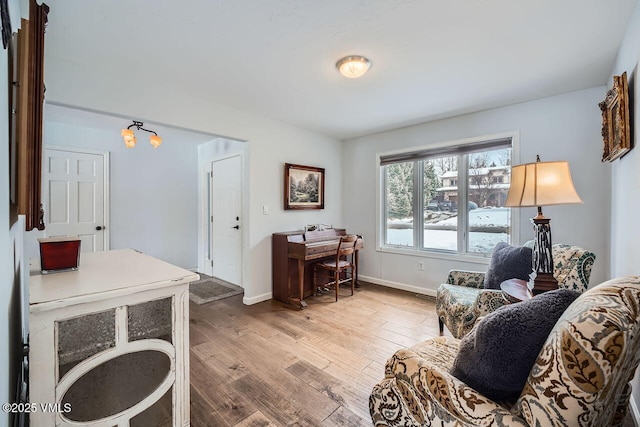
x: 353, y: 66
x: 130, y: 137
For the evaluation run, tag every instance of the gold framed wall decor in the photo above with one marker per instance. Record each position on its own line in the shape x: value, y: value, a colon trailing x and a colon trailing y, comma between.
x: 303, y: 187
x: 616, y: 131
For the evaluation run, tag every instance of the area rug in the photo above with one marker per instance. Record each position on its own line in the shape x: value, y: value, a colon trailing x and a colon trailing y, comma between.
x: 209, y: 289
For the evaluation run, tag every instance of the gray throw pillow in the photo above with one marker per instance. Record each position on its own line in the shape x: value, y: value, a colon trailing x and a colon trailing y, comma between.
x: 496, y: 356
x: 508, y: 262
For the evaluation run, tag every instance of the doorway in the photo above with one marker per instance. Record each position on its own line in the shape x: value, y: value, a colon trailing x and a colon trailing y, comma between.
x: 75, y: 195
x: 225, y: 217
x: 222, y: 236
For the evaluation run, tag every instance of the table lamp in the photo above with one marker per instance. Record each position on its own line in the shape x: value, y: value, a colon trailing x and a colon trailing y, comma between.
x: 542, y: 184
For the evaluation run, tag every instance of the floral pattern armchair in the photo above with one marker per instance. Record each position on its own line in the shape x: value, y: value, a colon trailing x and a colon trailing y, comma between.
x: 462, y: 299
x: 580, y: 377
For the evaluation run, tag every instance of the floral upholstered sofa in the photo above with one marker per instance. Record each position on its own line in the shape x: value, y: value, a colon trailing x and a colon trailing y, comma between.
x: 580, y: 377
x: 462, y: 299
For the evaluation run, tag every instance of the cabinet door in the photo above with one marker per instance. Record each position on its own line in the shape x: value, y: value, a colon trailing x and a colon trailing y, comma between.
x: 117, y: 365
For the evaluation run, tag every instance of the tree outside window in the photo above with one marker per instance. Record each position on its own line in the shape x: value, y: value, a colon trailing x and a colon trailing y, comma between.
x: 439, y: 185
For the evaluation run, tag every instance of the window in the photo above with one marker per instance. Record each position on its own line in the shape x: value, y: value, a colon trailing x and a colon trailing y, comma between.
x: 455, y: 195
x: 399, y: 203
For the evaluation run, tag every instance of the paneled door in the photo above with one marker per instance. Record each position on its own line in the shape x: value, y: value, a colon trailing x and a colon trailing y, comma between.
x: 226, y: 221
x: 75, y: 195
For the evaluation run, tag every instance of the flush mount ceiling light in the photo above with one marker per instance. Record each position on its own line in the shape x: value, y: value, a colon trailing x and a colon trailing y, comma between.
x: 353, y: 66
x: 130, y: 137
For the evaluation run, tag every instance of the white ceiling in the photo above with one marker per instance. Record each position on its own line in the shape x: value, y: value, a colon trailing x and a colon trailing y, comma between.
x: 276, y: 58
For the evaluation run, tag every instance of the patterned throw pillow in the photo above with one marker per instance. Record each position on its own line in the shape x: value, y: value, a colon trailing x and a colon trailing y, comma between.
x: 508, y: 262
x: 496, y: 356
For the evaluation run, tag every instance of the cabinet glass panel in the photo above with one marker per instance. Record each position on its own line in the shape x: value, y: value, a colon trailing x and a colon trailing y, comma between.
x: 151, y: 320
x: 160, y: 414
x: 116, y: 385
x: 82, y: 337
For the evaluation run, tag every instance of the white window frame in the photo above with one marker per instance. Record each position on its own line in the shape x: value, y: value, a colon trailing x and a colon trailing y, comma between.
x: 460, y: 255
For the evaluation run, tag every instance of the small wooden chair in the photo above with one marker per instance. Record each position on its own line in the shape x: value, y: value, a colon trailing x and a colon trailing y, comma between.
x: 343, y: 261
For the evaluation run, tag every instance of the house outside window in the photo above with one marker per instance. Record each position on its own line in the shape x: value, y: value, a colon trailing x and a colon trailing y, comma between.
x: 430, y: 188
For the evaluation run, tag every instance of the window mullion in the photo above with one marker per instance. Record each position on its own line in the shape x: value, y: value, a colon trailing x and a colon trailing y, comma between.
x: 418, y: 210
x: 385, y: 204
x: 463, y: 206
x: 419, y: 217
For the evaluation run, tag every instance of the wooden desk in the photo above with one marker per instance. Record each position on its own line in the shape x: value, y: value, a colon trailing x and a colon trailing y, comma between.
x: 86, y: 325
x: 516, y: 290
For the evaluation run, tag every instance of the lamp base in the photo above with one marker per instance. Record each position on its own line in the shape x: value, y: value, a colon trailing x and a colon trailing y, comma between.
x: 544, y: 282
x: 543, y: 255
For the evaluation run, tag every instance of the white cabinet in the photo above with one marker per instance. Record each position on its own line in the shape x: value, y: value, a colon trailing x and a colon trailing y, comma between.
x: 109, y: 343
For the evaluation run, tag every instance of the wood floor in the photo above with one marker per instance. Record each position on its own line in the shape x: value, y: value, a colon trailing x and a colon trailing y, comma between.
x: 272, y: 365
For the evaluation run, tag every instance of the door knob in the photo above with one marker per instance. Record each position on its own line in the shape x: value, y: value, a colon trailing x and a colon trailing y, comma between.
x: 237, y: 227
x: 99, y: 228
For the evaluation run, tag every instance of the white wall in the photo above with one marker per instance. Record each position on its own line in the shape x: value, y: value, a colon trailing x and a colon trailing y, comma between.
x: 625, y: 183
x: 565, y: 127
x: 7, y: 274
x: 13, y: 272
x: 271, y: 144
x: 153, y: 192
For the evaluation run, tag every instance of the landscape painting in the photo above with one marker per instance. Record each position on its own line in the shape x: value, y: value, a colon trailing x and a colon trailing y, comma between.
x: 303, y: 187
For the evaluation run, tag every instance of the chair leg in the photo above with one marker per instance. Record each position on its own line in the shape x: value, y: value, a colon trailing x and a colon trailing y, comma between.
x: 441, y: 325
x: 353, y: 280
x: 337, y: 281
x: 315, y: 281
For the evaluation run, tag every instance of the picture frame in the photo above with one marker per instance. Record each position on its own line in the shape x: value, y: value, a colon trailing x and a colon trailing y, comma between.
x: 616, y: 128
x: 303, y: 187
x: 26, y: 130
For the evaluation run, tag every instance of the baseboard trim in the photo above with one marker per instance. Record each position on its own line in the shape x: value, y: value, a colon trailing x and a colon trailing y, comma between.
x: 635, y: 413
x: 397, y: 285
x: 258, y: 298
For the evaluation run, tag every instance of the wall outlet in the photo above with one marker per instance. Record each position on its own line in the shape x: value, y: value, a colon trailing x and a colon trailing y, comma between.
x: 421, y: 265
x: 265, y: 210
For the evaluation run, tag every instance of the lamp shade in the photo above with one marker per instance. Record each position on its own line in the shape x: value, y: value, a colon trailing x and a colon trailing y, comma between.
x: 155, y: 140
x: 129, y: 138
x: 353, y: 66
x: 541, y: 184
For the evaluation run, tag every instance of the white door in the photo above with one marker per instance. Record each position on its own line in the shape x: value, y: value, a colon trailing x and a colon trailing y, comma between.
x: 226, y: 221
x: 74, y: 187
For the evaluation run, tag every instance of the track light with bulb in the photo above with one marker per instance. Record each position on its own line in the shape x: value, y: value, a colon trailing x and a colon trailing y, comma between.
x: 130, y: 137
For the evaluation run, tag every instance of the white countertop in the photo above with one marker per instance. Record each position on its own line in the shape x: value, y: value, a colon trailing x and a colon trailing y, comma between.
x: 102, y: 275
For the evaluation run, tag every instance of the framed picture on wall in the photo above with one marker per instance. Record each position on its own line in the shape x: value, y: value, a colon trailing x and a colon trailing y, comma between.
x: 616, y: 131
x: 303, y: 187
